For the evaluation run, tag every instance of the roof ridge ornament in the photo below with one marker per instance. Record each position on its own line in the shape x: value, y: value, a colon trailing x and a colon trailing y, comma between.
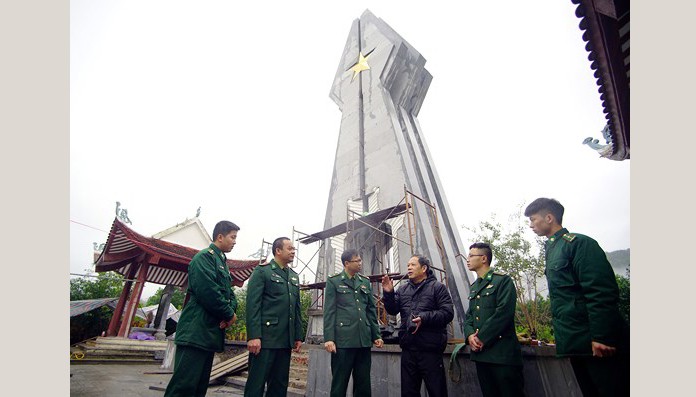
x: 122, y: 214
x: 604, y: 150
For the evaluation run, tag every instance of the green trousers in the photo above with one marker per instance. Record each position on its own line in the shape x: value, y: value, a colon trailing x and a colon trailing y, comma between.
x: 270, y: 368
x: 191, y: 372
x: 346, y: 361
x: 607, y: 376
x: 499, y: 380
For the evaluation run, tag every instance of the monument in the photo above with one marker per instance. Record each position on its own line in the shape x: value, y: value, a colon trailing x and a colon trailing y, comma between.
x: 385, y: 198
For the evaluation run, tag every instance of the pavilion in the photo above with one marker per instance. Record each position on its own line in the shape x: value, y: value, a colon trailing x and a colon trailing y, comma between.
x: 142, y: 259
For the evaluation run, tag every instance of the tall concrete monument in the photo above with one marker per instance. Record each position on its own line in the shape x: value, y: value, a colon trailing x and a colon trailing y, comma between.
x: 381, y: 159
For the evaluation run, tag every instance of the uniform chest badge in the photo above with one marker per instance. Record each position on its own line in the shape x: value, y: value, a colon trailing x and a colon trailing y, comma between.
x: 489, y: 286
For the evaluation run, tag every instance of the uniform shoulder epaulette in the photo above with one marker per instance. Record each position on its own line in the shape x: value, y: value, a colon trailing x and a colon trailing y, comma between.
x: 569, y: 237
x: 334, y: 275
x: 264, y: 264
x: 210, y: 251
x: 499, y: 273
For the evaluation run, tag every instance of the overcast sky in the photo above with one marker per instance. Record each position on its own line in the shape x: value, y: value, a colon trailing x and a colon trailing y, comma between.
x: 176, y: 105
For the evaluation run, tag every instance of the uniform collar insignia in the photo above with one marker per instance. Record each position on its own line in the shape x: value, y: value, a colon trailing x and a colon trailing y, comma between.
x: 569, y: 237
x: 490, y: 286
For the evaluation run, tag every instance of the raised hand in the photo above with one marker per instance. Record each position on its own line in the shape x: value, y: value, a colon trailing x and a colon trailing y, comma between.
x: 387, y: 284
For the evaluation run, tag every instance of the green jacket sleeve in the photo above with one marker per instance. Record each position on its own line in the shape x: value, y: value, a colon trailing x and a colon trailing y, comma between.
x: 205, y: 285
x: 372, y: 314
x: 600, y: 290
x: 504, y: 311
x: 468, y: 325
x: 329, y: 311
x: 234, y: 304
x: 255, y: 290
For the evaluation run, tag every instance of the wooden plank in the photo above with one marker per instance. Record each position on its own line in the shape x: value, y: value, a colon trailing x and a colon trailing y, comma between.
x: 126, y: 341
x: 236, y: 363
x: 128, y: 348
x: 232, y: 363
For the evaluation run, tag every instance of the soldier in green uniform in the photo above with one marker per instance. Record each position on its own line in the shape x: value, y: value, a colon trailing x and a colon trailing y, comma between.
x: 274, y: 322
x: 350, y: 327
x: 489, y: 327
x: 210, y: 309
x: 587, y: 324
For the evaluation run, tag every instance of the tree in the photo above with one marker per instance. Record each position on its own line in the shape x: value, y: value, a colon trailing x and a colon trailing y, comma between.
x: 178, y: 297
x: 305, y: 302
x: 106, y: 285
x: 238, y: 329
x: 515, y: 255
x: 91, y: 324
x: 625, y: 294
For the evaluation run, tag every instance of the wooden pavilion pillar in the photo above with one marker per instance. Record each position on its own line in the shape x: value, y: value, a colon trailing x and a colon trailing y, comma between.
x: 118, y: 311
x: 134, y: 299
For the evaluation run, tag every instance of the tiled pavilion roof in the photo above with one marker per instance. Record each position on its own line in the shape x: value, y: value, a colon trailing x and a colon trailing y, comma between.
x: 168, y: 262
x: 606, y: 30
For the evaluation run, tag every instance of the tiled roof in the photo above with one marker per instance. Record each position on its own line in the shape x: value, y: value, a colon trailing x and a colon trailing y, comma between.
x: 606, y: 30
x: 168, y: 262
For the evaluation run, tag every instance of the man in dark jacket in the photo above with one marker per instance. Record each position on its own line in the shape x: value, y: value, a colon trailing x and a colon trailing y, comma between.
x: 210, y: 309
x: 587, y: 324
x: 489, y: 327
x: 426, y: 308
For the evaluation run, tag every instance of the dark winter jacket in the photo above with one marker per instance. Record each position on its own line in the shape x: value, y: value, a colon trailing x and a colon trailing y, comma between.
x: 431, y: 301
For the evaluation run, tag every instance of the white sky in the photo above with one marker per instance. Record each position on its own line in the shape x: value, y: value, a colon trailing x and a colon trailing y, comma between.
x: 176, y: 105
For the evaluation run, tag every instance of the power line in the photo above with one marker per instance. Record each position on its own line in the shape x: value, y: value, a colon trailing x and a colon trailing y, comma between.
x: 91, y: 227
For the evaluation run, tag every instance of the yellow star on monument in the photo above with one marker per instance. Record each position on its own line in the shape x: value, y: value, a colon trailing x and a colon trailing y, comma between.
x: 361, y: 65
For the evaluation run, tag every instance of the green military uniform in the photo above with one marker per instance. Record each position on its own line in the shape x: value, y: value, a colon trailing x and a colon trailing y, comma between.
x: 350, y: 321
x: 491, y: 312
x: 198, y: 333
x: 584, y: 308
x: 274, y: 315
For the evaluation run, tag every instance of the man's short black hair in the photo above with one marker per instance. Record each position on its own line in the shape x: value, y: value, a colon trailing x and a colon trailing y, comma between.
x: 545, y: 205
x: 486, y: 250
x: 424, y: 261
x: 348, y: 255
x: 223, y: 227
x: 278, y: 244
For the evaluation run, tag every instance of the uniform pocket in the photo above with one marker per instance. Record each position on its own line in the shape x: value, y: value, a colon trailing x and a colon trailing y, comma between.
x: 342, y: 323
x: 270, y: 321
x: 560, y: 274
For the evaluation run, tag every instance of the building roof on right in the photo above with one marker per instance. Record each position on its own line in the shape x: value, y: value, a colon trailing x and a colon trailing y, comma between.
x: 605, y: 26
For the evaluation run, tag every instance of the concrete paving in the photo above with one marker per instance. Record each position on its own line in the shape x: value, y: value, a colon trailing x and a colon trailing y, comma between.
x: 127, y: 380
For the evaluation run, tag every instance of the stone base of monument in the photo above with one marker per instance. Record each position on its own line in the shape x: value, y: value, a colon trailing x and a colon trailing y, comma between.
x: 544, y: 373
